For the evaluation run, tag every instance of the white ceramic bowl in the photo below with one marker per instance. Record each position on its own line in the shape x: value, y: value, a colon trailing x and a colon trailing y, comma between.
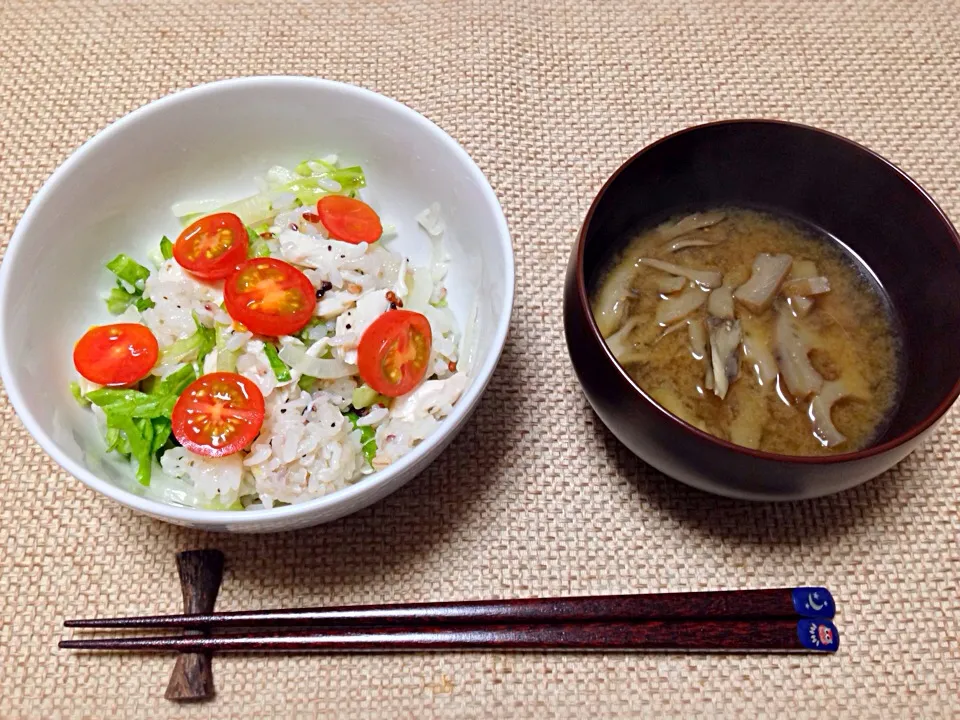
x: 114, y: 194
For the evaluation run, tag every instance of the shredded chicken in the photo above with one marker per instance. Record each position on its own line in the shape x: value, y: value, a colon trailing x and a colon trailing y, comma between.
x: 767, y: 275
x: 335, y: 303
x: 433, y: 396
x: 724, y: 355
x: 792, y: 355
x: 705, y: 278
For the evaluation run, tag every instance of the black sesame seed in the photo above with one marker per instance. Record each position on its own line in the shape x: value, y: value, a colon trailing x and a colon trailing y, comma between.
x: 329, y: 248
x: 348, y: 326
x: 293, y: 226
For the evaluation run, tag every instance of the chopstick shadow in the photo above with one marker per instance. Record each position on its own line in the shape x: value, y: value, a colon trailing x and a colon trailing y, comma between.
x: 789, y: 523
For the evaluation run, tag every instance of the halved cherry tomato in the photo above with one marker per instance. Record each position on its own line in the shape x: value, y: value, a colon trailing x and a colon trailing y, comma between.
x: 116, y: 355
x: 218, y: 414
x: 393, y: 352
x: 349, y: 220
x: 213, y: 246
x: 270, y: 297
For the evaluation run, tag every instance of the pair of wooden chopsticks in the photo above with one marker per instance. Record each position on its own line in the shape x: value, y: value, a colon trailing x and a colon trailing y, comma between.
x: 776, y: 620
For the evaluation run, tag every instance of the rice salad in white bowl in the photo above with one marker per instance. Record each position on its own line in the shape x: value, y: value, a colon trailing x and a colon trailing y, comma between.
x: 396, y: 243
x: 324, y: 426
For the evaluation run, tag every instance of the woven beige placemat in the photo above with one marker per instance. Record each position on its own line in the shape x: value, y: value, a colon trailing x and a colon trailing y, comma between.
x: 535, y: 497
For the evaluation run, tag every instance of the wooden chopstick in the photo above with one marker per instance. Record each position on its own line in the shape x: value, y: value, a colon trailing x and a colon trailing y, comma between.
x: 781, y: 603
x: 707, y: 635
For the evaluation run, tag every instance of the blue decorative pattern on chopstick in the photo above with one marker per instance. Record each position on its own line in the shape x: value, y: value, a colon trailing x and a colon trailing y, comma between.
x: 818, y: 635
x: 813, y: 602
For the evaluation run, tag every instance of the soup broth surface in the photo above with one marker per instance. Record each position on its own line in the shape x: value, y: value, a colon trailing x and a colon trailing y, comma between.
x: 774, y: 361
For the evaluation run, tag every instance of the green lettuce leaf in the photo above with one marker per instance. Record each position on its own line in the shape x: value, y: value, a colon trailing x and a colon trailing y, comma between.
x: 113, y: 440
x: 365, y: 396
x: 306, y: 382
x: 303, y: 336
x: 131, y: 277
x: 139, y: 438
x: 78, y: 395
x: 120, y: 299
x: 161, y: 434
x: 196, y: 347
x: 177, y: 381
x: 257, y: 246
x: 138, y: 423
x: 277, y: 365
x: 226, y: 359
x: 367, y: 436
x: 132, y: 404
x: 129, y: 270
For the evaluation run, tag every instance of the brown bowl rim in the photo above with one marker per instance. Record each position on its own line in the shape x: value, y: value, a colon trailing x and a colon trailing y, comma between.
x: 915, y: 430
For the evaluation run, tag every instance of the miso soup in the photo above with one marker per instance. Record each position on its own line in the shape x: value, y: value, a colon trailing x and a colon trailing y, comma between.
x: 754, y: 329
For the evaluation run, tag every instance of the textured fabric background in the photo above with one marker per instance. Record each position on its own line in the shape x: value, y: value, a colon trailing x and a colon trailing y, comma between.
x: 535, y: 497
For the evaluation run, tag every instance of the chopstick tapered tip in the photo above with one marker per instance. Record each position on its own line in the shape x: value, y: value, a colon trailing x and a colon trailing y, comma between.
x: 106, y: 623
x: 92, y: 644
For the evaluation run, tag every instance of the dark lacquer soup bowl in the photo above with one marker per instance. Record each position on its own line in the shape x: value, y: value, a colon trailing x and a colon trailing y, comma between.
x: 843, y: 189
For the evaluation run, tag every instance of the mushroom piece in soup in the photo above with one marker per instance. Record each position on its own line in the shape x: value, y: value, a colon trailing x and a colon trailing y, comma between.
x: 790, y: 347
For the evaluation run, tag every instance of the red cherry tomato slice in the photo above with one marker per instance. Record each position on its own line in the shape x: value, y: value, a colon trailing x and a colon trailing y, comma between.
x: 270, y: 297
x: 218, y: 414
x: 116, y: 355
x: 213, y: 246
x: 349, y: 220
x: 393, y: 352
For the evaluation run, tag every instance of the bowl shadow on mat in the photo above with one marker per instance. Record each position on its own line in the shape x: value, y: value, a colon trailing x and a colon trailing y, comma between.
x: 392, y: 538
x: 787, y: 523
